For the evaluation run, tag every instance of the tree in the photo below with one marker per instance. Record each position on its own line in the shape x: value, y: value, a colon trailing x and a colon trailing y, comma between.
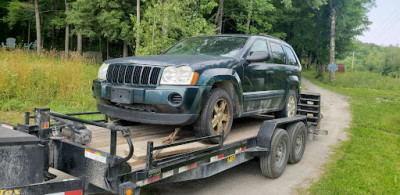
x: 182, y: 23
x: 82, y: 16
x: 138, y: 25
x: 20, y: 13
x: 115, y: 23
x: 219, y: 17
x: 332, y: 39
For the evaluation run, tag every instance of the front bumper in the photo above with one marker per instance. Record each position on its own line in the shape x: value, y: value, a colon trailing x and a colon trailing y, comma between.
x: 152, y: 105
x: 147, y: 117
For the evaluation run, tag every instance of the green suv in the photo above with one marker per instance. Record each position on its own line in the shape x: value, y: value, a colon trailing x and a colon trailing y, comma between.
x: 204, y: 81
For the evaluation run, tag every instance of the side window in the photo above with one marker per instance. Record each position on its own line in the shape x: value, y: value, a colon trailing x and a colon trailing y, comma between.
x: 259, y: 45
x: 278, y: 55
x: 291, y: 59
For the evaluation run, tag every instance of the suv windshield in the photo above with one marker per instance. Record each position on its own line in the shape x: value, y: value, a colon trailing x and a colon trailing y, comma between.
x: 219, y: 46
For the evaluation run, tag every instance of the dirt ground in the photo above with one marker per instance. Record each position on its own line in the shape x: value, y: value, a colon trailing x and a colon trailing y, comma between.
x: 247, y: 178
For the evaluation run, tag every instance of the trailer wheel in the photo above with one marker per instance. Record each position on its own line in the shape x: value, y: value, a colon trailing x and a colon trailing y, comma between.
x: 274, y: 164
x: 298, y: 139
x: 216, y: 116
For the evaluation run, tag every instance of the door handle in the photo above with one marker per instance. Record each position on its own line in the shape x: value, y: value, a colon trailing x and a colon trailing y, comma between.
x: 288, y: 72
x: 269, y: 72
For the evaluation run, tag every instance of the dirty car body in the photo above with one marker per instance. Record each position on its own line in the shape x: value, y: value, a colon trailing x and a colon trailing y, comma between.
x: 141, y: 89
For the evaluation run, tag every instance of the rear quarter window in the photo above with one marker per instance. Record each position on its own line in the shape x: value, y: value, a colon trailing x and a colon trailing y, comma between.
x: 291, y: 58
x: 278, y: 55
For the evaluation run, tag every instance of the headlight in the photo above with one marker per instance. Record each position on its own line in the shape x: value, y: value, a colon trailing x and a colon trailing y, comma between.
x: 183, y: 75
x: 103, y: 71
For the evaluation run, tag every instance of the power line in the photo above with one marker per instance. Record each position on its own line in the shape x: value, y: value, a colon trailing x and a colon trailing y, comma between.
x: 391, y: 19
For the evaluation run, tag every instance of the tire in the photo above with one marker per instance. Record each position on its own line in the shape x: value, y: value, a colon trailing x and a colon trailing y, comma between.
x: 274, y: 164
x: 298, y: 140
x: 290, y: 107
x: 213, y: 118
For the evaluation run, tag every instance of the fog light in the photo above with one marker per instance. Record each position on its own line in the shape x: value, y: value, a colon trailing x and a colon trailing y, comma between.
x: 175, y: 98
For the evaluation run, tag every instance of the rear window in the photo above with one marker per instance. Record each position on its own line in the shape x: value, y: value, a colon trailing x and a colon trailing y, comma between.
x: 278, y: 55
x: 291, y: 58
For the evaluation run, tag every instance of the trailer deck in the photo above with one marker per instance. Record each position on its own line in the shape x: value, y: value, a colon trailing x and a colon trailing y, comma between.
x: 242, y: 128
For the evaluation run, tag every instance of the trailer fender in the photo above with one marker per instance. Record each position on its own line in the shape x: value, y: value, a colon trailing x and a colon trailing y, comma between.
x: 267, y: 130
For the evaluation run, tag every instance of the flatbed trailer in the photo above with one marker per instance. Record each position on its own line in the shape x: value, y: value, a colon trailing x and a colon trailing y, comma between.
x: 58, y: 154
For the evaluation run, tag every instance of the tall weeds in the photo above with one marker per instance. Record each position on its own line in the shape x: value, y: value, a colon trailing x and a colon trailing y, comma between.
x: 363, y: 79
x: 28, y: 81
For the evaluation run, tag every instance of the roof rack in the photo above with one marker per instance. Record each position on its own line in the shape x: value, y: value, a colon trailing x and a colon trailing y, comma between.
x: 269, y: 36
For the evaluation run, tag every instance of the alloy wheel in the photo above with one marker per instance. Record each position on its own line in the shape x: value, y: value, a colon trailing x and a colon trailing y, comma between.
x: 221, y: 116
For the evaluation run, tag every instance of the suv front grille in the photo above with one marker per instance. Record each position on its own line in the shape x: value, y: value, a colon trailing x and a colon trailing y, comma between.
x: 133, y: 74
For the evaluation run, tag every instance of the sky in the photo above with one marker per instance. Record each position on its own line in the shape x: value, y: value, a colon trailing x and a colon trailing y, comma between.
x: 385, y: 27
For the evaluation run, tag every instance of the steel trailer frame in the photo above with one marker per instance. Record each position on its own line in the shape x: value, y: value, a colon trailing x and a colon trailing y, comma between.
x: 98, y: 170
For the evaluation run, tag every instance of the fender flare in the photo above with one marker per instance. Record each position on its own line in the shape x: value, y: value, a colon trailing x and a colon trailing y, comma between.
x: 213, y: 76
x: 294, y: 81
x: 267, y: 129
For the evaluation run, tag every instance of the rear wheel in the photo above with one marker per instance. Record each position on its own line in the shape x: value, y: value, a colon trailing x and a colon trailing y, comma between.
x: 298, y: 139
x: 216, y: 116
x: 274, y: 164
x: 290, y: 107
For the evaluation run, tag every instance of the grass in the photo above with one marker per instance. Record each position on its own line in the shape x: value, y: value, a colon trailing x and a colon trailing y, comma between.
x: 27, y: 81
x: 369, y: 162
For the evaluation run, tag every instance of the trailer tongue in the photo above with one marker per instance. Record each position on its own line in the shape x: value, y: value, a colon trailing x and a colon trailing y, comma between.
x: 53, y: 154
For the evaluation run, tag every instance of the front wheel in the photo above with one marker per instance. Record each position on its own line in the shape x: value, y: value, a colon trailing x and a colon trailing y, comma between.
x: 216, y: 116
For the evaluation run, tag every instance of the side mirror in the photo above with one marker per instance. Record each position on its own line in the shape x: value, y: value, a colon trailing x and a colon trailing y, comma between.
x: 258, y: 56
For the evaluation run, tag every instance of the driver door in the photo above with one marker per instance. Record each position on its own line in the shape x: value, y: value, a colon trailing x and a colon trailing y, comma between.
x: 258, y: 80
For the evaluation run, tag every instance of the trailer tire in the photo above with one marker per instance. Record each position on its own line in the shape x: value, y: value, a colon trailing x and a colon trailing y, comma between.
x: 274, y: 164
x: 218, y: 98
x: 298, y: 139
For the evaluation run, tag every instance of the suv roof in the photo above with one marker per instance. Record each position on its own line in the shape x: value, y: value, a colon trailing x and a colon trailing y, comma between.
x: 246, y: 35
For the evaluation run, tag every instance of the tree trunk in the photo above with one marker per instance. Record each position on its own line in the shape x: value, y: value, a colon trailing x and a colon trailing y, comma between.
x: 309, y: 60
x: 249, y: 16
x: 166, y: 20
x: 332, y: 42
x: 219, y: 16
x: 300, y: 56
x: 29, y: 27
x: 66, y: 49
x: 79, y: 43
x: 29, y: 32
x: 52, y: 26
x: 101, y: 51
x: 138, y: 26
x: 38, y: 38
x: 125, y: 53
x: 108, y: 49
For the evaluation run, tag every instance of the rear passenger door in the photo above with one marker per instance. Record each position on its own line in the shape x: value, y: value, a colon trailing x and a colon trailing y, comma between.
x: 279, y: 68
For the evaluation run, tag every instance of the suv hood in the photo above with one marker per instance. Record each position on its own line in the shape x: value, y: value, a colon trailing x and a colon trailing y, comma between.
x: 173, y: 60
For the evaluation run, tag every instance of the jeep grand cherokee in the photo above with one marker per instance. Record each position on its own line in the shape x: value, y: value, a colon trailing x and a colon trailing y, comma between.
x: 204, y: 81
